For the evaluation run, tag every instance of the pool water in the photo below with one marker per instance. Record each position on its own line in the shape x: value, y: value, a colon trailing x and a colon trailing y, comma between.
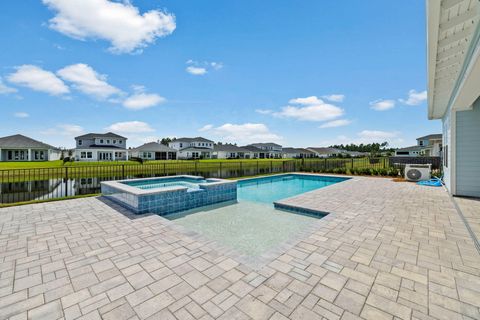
x: 190, y: 183
x: 252, y: 226
x: 271, y: 189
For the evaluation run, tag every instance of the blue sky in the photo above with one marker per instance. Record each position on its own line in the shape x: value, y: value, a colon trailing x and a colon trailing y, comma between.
x: 309, y: 73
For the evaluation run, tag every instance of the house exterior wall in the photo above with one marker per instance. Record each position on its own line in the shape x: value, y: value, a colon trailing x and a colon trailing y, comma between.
x: 178, y: 145
x: 25, y: 154
x: 467, y: 153
x: 107, y: 141
x: 116, y: 154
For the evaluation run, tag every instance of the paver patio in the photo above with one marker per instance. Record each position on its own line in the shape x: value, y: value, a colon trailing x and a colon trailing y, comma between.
x: 386, y: 250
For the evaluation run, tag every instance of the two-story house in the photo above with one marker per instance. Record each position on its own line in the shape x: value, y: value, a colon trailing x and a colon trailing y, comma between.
x: 101, y: 147
x: 268, y: 150
x: 428, y: 146
x: 192, y: 148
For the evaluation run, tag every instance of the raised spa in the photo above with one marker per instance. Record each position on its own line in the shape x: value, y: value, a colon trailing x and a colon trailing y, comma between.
x: 169, y: 194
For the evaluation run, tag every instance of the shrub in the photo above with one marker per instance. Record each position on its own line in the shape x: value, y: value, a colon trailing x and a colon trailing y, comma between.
x: 137, y: 159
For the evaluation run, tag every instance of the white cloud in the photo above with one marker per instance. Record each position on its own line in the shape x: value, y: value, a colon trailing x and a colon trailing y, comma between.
x: 38, y: 79
x: 336, y: 123
x: 196, y: 71
x: 199, y: 68
x: 264, y: 111
x: 21, y: 115
x: 377, y: 135
x: 130, y: 127
x: 4, y: 89
x: 244, y: 133
x: 334, y: 97
x: 382, y: 105
x: 310, y: 109
x: 120, y: 23
x: 206, y: 127
x: 414, y: 98
x: 88, y: 81
x: 139, y: 101
x: 70, y: 130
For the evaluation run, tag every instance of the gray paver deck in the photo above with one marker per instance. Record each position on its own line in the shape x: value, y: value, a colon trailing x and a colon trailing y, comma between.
x: 386, y: 250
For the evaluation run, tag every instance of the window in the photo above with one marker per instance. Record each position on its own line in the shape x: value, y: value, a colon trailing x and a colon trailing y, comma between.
x: 420, y: 143
x: 101, y: 140
x: 83, y: 155
x: 108, y: 141
x: 89, y: 155
x: 120, y: 141
x: 181, y: 145
x: 114, y: 141
x: 79, y: 142
x: 445, y: 156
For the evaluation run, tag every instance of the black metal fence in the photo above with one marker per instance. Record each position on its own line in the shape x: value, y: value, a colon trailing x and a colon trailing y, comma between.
x: 21, y: 185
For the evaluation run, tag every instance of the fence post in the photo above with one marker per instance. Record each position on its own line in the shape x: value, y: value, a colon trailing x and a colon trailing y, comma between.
x: 123, y: 171
x: 325, y: 165
x: 164, y: 169
x: 257, y: 168
x: 352, y: 164
x: 271, y: 166
x: 220, y: 173
x: 384, y: 163
x: 66, y: 181
x: 196, y: 169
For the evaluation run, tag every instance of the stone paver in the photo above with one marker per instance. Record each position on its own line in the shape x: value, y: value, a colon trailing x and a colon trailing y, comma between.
x: 386, y: 250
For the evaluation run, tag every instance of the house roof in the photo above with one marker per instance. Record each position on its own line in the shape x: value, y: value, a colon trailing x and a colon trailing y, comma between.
x: 326, y: 150
x: 229, y: 148
x: 100, y: 135
x: 252, y: 148
x: 199, y: 149
x: 411, y: 148
x: 265, y: 144
x: 154, y: 147
x: 453, y: 67
x: 21, y: 141
x: 431, y: 136
x: 196, y: 139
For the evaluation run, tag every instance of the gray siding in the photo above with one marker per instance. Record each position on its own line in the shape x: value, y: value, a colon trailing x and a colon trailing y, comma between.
x: 468, y: 152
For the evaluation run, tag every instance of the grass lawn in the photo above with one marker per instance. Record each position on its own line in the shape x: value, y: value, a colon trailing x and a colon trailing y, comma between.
x: 59, y: 163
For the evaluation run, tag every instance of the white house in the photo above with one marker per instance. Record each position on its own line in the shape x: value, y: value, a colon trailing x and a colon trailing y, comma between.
x: 428, y: 146
x: 230, y: 151
x: 21, y: 148
x: 298, y: 153
x: 153, y: 151
x: 454, y: 89
x: 101, y: 147
x: 326, y: 152
x: 268, y: 150
x: 192, y: 148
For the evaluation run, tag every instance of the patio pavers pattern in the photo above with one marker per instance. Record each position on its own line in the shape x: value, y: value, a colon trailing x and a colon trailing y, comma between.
x: 386, y: 250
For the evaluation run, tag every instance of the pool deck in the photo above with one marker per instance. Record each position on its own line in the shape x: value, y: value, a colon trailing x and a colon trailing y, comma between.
x: 387, y: 250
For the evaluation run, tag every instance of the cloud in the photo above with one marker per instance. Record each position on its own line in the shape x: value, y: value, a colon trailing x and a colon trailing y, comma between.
x: 199, y: 68
x: 38, y: 79
x: 70, y: 130
x: 334, y: 97
x: 21, y: 115
x: 130, y: 127
x: 368, y: 136
x: 120, y: 23
x: 336, y: 123
x: 377, y: 135
x: 264, y: 111
x: 139, y: 101
x: 310, y: 109
x: 4, y: 89
x: 196, y: 71
x: 382, y: 105
x: 244, y: 133
x: 206, y: 127
x: 414, y: 98
x: 88, y: 81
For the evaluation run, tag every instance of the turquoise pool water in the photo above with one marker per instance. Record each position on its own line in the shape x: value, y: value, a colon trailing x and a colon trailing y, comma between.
x: 252, y: 226
x: 190, y: 183
x: 271, y: 189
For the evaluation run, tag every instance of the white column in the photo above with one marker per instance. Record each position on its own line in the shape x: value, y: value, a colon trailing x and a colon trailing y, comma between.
x: 29, y: 154
x: 113, y: 155
x: 1, y: 155
x: 126, y: 154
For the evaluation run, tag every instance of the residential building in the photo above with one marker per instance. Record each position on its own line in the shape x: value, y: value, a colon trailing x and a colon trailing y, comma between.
x: 230, y: 151
x: 153, y: 151
x: 454, y: 88
x: 297, y: 153
x: 254, y: 152
x: 412, y: 151
x: 268, y: 150
x: 326, y: 152
x: 21, y: 148
x: 192, y: 148
x: 431, y: 145
x: 101, y: 147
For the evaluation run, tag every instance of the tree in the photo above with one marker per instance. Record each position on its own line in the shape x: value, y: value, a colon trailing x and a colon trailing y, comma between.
x: 165, y: 141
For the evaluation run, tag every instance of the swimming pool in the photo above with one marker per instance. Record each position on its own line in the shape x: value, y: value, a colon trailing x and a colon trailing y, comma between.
x: 253, y: 227
x: 188, y: 182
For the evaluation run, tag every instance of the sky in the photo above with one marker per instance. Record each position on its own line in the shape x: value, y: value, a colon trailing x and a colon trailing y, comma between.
x: 304, y: 74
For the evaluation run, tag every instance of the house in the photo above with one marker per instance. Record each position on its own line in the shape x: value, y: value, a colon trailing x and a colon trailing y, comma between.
x: 297, y: 153
x: 326, y: 152
x: 453, y: 89
x: 230, y: 151
x: 153, y: 151
x: 192, y: 148
x: 412, y: 151
x: 21, y: 148
x: 431, y: 145
x: 101, y: 147
x: 268, y: 150
x: 254, y: 152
